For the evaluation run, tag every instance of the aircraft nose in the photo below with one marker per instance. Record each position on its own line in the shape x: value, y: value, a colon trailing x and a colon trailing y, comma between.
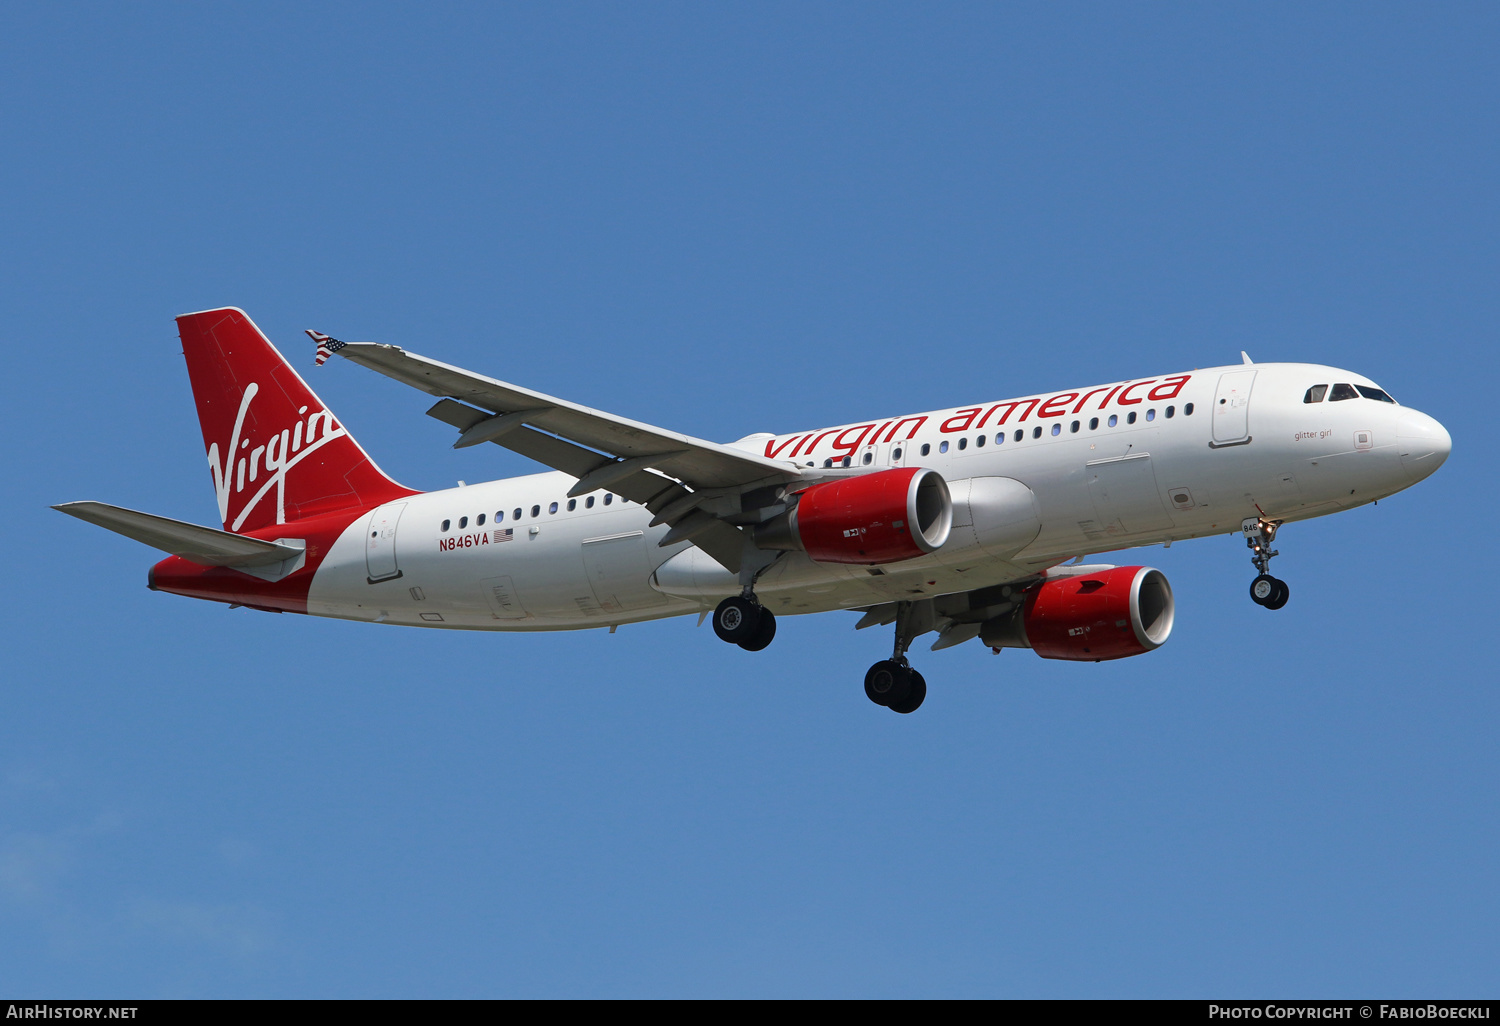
x: 1424, y: 444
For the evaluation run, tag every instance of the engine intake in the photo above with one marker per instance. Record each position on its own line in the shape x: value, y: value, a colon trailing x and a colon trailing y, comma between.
x: 883, y: 517
x: 1108, y: 614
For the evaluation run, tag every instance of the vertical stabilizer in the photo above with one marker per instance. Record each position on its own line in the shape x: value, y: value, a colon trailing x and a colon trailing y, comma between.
x: 276, y: 453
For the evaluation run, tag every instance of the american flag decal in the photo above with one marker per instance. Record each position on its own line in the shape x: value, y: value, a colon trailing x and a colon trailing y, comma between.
x: 327, y: 345
x: 505, y: 535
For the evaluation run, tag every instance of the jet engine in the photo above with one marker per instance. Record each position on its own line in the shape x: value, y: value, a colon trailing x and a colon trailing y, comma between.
x: 1105, y: 614
x: 883, y: 517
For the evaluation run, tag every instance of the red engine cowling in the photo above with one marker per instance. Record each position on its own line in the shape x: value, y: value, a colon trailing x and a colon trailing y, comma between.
x: 883, y: 517
x: 1109, y: 614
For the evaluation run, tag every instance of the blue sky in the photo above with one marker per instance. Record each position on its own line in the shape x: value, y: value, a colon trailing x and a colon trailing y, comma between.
x: 725, y: 219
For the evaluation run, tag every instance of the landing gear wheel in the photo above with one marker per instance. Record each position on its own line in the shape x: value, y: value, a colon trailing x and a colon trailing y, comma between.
x: 888, y: 683
x: 1263, y: 589
x: 916, y: 692
x: 1270, y: 592
x: 764, y: 631
x: 737, y: 620
x: 1282, y: 594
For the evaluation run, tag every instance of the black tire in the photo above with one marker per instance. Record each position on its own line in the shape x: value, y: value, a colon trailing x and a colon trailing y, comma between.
x: 887, y: 682
x: 916, y: 693
x: 1263, y: 590
x: 1282, y: 594
x: 764, y: 632
x: 736, y: 620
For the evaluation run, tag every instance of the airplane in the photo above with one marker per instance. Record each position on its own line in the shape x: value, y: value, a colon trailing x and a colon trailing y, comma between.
x: 970, y: 522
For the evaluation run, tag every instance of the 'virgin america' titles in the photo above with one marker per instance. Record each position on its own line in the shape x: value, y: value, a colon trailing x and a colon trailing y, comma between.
x: 973, y: 418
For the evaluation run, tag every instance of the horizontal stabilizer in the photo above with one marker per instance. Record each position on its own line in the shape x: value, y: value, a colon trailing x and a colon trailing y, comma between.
x: 206, y: 546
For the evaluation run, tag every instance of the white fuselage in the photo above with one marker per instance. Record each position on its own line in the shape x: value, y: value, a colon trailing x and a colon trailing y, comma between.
x: 1111, y: 468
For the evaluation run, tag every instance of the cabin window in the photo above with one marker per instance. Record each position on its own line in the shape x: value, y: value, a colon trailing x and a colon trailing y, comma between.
x: 869, y: 457
x: 1057, y: 429
x: 1150, y: 414
x: 1113, y: 419
x: 446, y: 523
x: 926, y: 448
x: 588, y: 503
x: 536, y: 511
x: 963, y: 443
x: 1130, y: 417
x: 896, y: 454
x: 1073, y: 428
x: 999, y: 437
x: 1187, y: 411
x: 517, y: 514
x: 499, y: 515
x: 479, y: 520
x: 1315, y: 394
x: 1036, y: 432
x: 943, y: 445
x: 1093, y: 423
x: 552, y: 508
x: 1374, y: 393
x: 1020, y: 433
x: 463, y: 522
x: 608, y: 498
x: 1341, y: 392
x: 572, y: 505
x: 979, y: 442
x: 1171, y: 412
x: 845, y: 461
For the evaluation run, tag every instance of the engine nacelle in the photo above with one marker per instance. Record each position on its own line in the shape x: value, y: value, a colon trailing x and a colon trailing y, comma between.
x: 1105, y: 614
x: 883, y: 517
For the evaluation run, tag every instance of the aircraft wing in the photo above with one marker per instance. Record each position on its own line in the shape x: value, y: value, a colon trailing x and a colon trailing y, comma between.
x: 602, y: 450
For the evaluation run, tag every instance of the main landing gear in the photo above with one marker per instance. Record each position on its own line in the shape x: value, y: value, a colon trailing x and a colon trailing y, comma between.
x: 745, y: 622
x: 892, y: 682
x: 1265, y: 590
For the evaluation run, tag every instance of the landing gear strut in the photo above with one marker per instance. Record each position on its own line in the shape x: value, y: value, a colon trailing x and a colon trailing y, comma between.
x: 892, y: 682
x: 1265, y: 590
x: 741, y: 620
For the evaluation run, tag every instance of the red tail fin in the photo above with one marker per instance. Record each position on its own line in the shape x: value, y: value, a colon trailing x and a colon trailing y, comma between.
x: 275, y: 450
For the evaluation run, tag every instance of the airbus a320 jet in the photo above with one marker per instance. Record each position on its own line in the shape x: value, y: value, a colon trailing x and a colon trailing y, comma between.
x: 969, y: 522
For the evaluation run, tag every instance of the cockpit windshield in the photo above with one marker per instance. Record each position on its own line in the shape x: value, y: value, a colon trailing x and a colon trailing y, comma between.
x: 1344, y: 390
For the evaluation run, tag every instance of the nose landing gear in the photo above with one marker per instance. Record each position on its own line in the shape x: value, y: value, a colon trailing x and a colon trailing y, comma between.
x: 1265, y: 590
x: 892, y: 682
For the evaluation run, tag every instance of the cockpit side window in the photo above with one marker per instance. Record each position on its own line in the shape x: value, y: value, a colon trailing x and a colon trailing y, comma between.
x: 1315, y: 394
x: 1342, y: 391
x: 1375, y: 393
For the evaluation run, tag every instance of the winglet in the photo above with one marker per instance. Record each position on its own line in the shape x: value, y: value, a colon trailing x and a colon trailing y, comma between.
x: 327, y: 345
x: 1243, y: 355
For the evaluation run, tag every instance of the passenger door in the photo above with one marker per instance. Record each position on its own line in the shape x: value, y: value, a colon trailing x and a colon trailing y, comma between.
x: 380, y: 543
x: 1232, y: 409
